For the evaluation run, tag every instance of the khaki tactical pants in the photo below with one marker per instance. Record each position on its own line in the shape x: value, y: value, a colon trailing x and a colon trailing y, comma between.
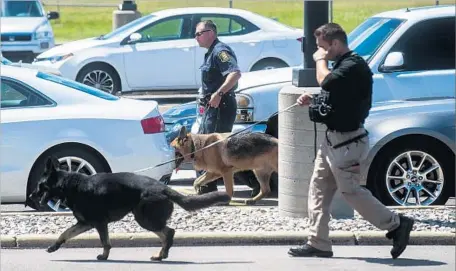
x: 339, y: 168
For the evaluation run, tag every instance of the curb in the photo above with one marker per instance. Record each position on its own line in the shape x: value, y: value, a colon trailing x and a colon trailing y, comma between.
x: 147, y: 239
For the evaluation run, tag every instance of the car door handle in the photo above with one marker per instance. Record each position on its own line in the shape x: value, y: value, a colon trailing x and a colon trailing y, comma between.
x: 184, y: 48
x: 251, y: 42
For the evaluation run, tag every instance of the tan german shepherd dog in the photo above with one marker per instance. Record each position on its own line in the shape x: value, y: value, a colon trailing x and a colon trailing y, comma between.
x: 246, y: 151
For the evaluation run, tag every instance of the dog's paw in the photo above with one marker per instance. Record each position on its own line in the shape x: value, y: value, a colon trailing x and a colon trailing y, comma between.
x: 157, y: 258
x: 102, y: 257
x: 52, y: 248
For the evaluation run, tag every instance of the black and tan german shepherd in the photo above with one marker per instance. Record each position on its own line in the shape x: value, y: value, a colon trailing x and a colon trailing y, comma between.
x: 103, y: 198
x: 244, y: 151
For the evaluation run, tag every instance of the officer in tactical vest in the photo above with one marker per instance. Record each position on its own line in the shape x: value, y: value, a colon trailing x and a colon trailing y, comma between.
x: 220, y: 74
x: 348, y: 91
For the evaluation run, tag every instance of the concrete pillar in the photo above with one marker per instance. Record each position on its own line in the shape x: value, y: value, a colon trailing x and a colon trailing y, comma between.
x: 122, y: 17
x: 296, y: 154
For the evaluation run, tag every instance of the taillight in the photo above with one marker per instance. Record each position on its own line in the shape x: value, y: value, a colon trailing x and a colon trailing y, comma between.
x: 299, y: 39
x: 153, y: 125
x: 201, y: 110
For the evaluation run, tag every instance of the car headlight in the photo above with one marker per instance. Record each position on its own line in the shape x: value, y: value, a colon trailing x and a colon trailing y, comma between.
x: 244, y: 108
x: 43, y: 35
x: 54, y: 59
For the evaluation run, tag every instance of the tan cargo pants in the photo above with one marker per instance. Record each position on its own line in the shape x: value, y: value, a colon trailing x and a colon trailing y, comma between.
x: 339, y: 168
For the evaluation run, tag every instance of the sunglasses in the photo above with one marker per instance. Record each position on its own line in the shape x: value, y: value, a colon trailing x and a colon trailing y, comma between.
x: 197, y: 34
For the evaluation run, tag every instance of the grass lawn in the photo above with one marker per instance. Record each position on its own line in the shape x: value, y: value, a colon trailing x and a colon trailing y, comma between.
x: 83, y: 22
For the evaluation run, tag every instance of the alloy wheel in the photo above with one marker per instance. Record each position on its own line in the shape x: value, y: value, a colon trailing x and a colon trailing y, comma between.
x: 414, y: 178
x: 71, y: 164
x: 99, y: 79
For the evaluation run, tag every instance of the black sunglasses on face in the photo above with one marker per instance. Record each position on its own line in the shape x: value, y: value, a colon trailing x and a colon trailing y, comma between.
x: 197, y: 34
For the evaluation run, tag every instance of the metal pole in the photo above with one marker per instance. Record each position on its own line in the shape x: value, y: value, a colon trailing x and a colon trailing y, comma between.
x: 316, y: 13
x: 231, y: 3
x: 331, y: 11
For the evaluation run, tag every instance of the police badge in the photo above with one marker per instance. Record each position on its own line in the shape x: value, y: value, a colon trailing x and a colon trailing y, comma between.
x: 223, y: 56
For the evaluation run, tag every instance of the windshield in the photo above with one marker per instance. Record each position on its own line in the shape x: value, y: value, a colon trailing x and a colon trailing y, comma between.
x: 126, y: 28
x: 22, y: 9
x: 77, y: 86
x: 371, y: 34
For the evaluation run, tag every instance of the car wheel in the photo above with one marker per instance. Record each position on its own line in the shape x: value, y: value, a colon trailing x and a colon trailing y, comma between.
x: 100, y: 76
x: 71, y: 159
x: 411, y: 174
x: 269, y: 64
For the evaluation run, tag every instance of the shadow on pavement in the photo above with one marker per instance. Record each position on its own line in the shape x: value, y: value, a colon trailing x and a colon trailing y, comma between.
x: 151, y: 262
x: 395, y: 262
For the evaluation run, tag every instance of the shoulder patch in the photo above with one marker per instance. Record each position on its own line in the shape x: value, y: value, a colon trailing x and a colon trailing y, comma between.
x: 224, y: 56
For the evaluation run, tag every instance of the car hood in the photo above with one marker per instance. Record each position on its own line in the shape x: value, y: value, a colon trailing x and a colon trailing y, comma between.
x: 73, y: 47
x: 404, y: 108
x: 21, y: 24
x: 265, y: 77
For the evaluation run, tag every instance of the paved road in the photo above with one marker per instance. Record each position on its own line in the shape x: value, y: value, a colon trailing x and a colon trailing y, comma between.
x: 252, y: 258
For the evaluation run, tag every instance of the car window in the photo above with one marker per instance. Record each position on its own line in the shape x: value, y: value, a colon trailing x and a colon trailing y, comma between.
x: 22, y: 9
x: 77, y: 86
x: 227, y: 25
x: 126, y: 28
x: 367, y: 38
x: 162, y: 31
x: 14, y: 94
x: 428, y: 45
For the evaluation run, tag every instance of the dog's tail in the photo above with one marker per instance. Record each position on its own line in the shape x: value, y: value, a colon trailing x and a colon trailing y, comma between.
x: 195, y: 202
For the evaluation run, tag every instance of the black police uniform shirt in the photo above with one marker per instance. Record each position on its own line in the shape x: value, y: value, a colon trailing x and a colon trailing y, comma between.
x: 350, y: 86
x: 219, y: 61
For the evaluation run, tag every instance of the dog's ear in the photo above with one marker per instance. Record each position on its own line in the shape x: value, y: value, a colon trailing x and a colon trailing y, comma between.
x: 52, y: 164
x: 183, y: 133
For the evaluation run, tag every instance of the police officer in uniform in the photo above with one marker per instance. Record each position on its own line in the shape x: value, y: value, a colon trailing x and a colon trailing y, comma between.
x: 220, y: 75
x: 337, y: 164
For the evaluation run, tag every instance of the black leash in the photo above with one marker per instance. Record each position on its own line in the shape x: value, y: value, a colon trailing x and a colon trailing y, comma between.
x: 221, y: 140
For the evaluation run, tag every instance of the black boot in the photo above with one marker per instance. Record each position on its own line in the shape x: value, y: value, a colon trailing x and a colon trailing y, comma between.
x: 309, y: 251
x: 400, y: 236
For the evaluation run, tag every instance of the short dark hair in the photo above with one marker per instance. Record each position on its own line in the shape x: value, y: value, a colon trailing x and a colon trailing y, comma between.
x: 330, y: 32
x: 209, y: 24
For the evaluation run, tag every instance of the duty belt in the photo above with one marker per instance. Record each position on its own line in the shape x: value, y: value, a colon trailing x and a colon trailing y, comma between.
x: 344, y: 143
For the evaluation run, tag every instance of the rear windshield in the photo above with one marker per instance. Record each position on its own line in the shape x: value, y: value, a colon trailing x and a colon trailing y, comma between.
x: 77, y: 86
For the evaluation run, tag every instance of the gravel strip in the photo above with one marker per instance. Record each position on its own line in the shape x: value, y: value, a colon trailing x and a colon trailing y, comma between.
x: 223, y: 219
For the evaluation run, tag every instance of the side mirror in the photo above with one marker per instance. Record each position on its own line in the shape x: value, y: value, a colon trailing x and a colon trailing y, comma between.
x: 394, y: 61
x: 52, y: 15
x: 135, y: 37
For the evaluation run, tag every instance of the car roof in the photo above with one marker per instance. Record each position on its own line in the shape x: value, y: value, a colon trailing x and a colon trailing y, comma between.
x: 255, y: 18
x: 419, y: 13
x: 176, y: 11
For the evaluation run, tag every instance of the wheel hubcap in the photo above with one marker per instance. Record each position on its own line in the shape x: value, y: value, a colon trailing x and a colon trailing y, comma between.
x: 71, y: 164
x: 414, y: 178
x: 99, y: 79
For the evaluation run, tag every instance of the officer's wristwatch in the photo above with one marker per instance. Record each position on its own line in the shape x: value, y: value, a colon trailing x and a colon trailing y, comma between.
x: 220, y: 93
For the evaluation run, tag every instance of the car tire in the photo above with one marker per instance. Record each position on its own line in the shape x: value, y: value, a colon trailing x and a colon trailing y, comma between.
x: 98, y: 74
x: 92, y: 165
x: 269, y: 64
x: 385, y: 164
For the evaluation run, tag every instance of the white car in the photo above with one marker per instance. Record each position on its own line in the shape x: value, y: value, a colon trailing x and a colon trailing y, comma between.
x: 88, y: 130
x: 165, y: 55
x: 25, y: 29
